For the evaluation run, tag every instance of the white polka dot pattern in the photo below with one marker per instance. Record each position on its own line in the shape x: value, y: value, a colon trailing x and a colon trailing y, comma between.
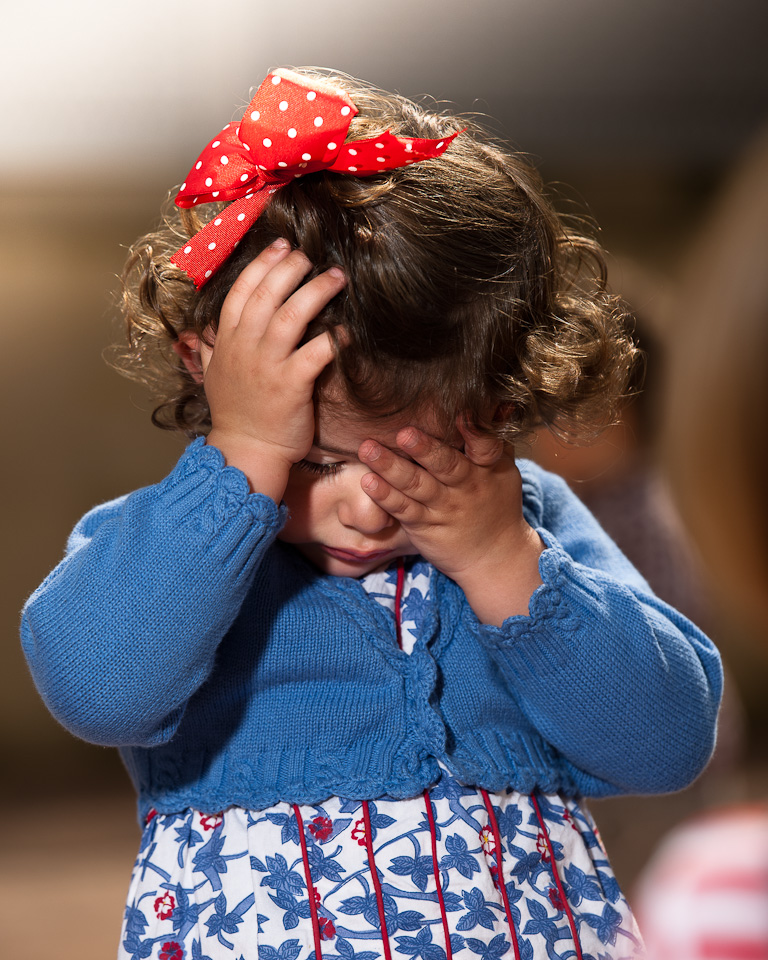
x: 293, y: 131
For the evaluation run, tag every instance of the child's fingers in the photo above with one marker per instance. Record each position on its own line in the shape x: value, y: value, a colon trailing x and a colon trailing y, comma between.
x: 479, y: 448
x: 314, y: 356
x: 248, y: 280
x: 446, y: 464
x: 270, y: 294
x: 289, y: 323
x: 400, y: 474
x: 396, y: 503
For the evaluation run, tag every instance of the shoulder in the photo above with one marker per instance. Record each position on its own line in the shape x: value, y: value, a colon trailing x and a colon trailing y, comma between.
x: 544, y: 492
x: 87, y: 526
x: 539, y: 478
x: 552, y: 508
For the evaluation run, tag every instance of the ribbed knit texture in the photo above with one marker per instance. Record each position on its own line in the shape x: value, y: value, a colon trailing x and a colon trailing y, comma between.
x: 230, y: 671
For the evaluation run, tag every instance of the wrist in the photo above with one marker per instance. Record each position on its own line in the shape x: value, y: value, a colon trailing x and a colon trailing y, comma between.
x: 265, y: 469
x: 501, y: 583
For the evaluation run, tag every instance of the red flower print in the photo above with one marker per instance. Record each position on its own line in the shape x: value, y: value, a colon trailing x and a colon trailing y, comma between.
x: 316, y: 894
x: 164, y: 906
x: 542, y: 847
x: 555, y: 899
x: 488, y: 841
x: 495, y: 875
x: 321, y: 828
x: 171, y: 951
x: 568, y: 817
x: 327, y: 929
x: 358, y: 831
x: 151, y: 814
x: 210, y: 821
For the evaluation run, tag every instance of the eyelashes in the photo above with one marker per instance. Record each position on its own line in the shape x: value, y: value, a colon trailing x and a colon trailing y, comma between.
x: 319, y: 469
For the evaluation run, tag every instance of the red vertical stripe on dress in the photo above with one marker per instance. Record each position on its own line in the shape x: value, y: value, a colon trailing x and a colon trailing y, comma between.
x: 310, y: 886
x: 500, y: 879
x: 436, y: 869
x: 376, y: 881
x: 556, y: 878
x: 399, y: 601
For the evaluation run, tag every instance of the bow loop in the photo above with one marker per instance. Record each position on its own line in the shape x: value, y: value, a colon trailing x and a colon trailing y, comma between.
x: 223, y: 171
x: 294, y: 126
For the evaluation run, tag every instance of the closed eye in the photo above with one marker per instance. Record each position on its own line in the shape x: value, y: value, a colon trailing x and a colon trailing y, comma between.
x: 319, y: 469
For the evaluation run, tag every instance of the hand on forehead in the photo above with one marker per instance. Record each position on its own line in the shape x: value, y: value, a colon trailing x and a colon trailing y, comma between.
x: 341, y: 427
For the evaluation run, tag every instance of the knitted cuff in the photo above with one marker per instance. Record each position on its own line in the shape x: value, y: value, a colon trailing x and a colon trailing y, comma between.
x: 202, y: 470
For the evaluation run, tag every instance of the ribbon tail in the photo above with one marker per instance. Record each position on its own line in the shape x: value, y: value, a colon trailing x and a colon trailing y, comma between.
x: 202, y: 255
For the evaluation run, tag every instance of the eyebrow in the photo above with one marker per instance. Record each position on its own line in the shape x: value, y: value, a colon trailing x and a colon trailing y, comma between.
x: 329, y: 448
x: 326, y: 448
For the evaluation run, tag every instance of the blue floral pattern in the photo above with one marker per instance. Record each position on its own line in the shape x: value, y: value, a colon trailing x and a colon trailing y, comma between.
x: 382, y: 586
x: 274, y: 886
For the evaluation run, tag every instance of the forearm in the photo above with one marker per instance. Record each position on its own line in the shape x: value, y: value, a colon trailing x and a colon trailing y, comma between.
x: 623, y: 686
x: 501, y: 584
x: 125, y: 629
x: 265, y: 474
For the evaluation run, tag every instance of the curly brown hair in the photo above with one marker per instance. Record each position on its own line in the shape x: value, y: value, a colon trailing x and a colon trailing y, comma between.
x: 466, y: 291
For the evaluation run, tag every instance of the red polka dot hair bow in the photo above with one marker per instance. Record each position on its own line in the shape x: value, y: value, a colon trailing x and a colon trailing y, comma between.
x: 292, y: 127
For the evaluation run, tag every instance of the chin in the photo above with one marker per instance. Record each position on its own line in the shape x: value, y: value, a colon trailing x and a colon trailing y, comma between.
x: 340, y: 566
x: 339, y: 569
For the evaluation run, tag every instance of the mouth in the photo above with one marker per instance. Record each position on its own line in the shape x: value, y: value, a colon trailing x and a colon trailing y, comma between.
x: 355, y: 556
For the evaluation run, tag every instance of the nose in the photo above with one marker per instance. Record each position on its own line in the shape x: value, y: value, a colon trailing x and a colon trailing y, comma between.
x: 358, y: 512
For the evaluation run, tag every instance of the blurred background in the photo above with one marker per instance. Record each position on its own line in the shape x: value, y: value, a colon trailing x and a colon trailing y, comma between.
x: 635, y: 113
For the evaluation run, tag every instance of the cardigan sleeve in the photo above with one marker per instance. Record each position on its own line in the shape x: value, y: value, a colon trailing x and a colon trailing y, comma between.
x: 623, y: 686
x: 125, y: 629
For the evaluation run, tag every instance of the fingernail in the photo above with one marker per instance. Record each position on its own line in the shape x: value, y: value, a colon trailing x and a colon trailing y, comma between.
x: 337, y: 273
x: 371, y: 482
x: 410, y: 439
x: 370, y: 451
x: 280, y: 244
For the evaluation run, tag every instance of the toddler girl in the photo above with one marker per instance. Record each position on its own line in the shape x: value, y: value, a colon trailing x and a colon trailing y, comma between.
x: 360, y: 664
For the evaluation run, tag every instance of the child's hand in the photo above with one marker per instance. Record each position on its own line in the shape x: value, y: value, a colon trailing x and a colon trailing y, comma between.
x: 463, y: 513
x: 259, y: 384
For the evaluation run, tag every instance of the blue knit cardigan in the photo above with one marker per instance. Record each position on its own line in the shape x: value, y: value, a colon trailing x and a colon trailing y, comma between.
x: 229, y: 671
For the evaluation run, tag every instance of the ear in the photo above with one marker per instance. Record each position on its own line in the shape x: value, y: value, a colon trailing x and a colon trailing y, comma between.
x: 187, y: 348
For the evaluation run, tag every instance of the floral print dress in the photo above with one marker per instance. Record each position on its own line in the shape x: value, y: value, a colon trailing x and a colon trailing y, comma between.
x: 454, y: 872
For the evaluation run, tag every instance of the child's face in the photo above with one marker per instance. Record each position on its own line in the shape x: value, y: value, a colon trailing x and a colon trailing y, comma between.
x: 333, y: 522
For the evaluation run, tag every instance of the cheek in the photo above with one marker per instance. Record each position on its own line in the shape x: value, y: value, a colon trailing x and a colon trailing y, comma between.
x: 307, y: 504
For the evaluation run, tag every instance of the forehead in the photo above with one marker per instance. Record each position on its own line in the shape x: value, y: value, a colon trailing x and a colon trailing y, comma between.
x: 341, y: 428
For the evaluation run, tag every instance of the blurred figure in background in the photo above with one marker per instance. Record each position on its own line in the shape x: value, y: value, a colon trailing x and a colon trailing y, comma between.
x: 705, y: 893
x: 619, y: 476
x: 717, y: 440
